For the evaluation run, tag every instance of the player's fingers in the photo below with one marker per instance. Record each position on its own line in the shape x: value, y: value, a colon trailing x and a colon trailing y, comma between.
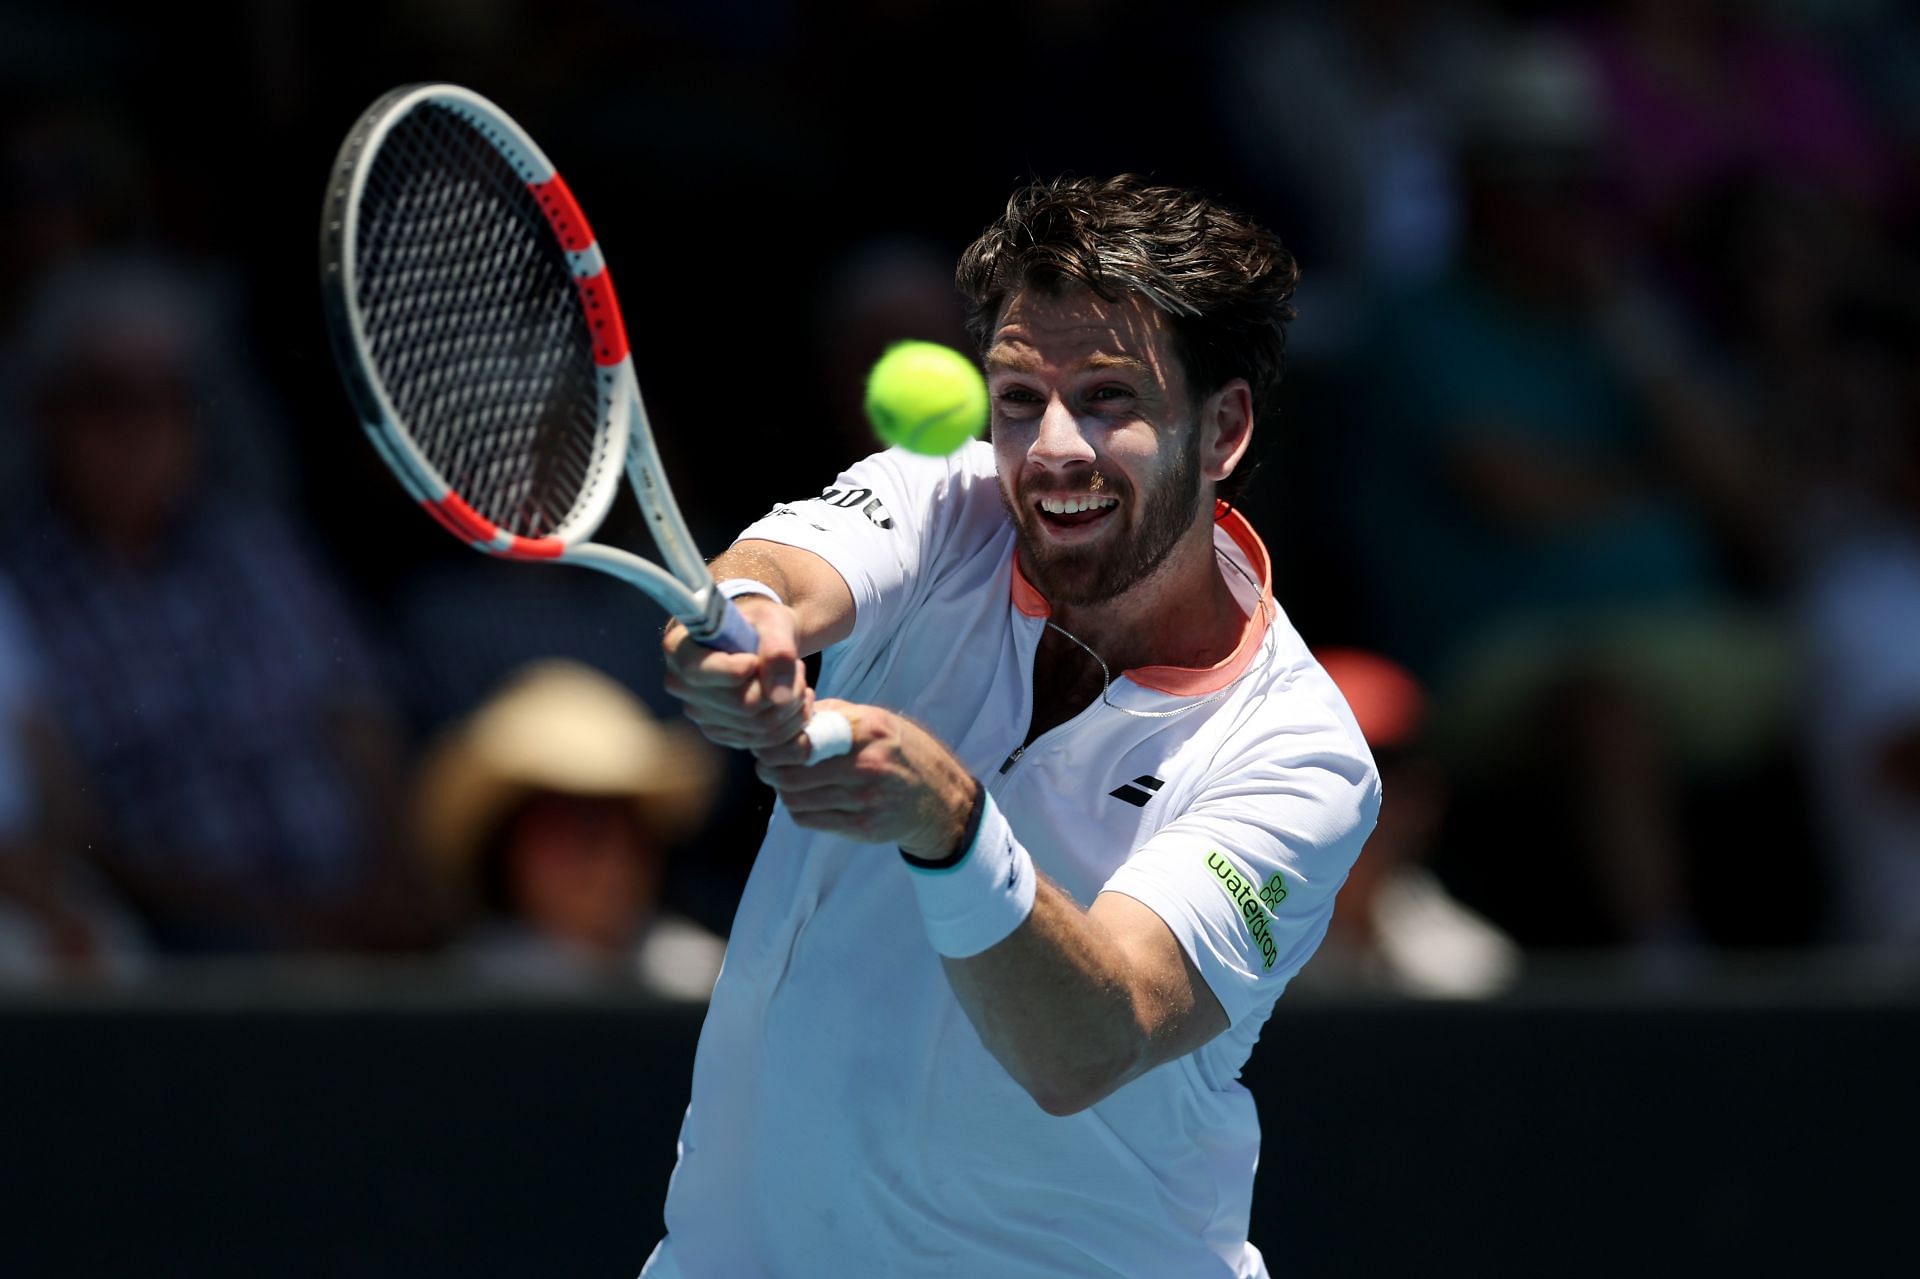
x: 721, y: 736
x: 781, y: 673
x: 770, y: 726
x: 756, y: 728
x: 755, y: 701
x: 709, y: 668
x: 744, y: 703
x: 800, y: 778
x: 792, y: 750
x: 830, y: 732
x: 732, y: 699
x: 679, y: 649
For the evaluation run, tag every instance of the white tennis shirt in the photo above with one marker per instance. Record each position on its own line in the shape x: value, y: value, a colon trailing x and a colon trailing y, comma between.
x: 845, y: 1118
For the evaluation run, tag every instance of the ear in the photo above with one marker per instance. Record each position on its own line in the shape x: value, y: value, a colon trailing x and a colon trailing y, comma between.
x: 1226, y: 429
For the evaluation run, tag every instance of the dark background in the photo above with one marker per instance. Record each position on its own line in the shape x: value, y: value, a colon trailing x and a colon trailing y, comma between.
x: 1635, y: 1100
x: 1572, y: 1136
x: 740, y: 160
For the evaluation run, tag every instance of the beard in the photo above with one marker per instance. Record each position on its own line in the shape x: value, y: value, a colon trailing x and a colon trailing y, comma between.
x: 1084, y: 575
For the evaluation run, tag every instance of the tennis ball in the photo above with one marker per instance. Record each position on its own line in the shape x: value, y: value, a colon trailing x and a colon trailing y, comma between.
x: 926, y: 397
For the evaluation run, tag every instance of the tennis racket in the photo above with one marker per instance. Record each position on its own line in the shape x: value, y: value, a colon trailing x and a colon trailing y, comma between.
x: 475, y: 325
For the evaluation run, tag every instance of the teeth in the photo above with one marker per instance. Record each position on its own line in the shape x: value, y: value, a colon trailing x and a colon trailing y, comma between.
x: 1074, y: 505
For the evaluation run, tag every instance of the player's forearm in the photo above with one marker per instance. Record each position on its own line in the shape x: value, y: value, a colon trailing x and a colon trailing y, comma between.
x: 1074, y: 1003
x: 1056, y: 1004
x: 822, y: 605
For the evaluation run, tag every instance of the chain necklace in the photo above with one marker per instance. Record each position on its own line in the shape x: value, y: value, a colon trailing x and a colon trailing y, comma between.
x: 1106, y: 674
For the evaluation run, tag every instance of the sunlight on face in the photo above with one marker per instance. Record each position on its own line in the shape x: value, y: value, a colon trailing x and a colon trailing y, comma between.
x: 1094, y: 439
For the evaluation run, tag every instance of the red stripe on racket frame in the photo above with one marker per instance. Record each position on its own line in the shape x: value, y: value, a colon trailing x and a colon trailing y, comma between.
x: 603, y: 319
x: 596, y: 291
x: 563, y: 212
x: 453, y: 514
x: 461, y: 520
x: 534, y: 548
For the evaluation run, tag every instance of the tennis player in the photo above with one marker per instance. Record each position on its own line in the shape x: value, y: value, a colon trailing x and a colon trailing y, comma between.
x: 997, y: 969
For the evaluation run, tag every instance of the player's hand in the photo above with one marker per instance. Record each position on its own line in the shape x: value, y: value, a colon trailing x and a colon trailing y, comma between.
x: 753, y: 701
x: 896, y: 785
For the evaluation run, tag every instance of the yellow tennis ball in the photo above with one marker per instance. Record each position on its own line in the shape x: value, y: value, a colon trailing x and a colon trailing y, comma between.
x: 926, y: 397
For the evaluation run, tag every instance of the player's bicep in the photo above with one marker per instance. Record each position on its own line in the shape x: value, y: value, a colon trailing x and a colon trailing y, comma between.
x: 882, y: 525
x: 1246, y: 878
x: 1180, y: 1010
x: 822, y: 602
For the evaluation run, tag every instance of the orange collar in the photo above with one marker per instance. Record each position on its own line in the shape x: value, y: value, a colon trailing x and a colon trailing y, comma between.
x: 1188, y: 681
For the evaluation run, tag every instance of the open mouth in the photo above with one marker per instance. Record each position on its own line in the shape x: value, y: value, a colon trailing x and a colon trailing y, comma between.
x: 1075, y: 511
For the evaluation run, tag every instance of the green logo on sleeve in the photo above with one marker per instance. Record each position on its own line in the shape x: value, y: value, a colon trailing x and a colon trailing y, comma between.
x: 1256, y: 907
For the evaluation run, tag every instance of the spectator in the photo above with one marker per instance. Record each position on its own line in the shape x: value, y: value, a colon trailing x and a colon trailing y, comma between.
x: 1543, y: 476
x: 1818, y: 338
x: 550, y: 811
x: 56, y: 919
x: 69, y: 182
x: 1395, y: 926
x: 1789, y: 289
x: 1701, y: 92
x: 212, y: 686
x: 1860, y: 607
x: 1346, y: 115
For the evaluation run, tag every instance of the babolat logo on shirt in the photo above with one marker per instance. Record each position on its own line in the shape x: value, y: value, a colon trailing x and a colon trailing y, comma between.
x: 858, y: 497
x: 1256, y: 906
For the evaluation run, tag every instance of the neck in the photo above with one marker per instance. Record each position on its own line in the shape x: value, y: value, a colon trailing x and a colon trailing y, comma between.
x: 1181, y: 614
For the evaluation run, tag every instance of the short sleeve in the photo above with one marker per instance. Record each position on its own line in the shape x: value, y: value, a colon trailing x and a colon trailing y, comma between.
x: 879, y: 522
x: 1247, y: 875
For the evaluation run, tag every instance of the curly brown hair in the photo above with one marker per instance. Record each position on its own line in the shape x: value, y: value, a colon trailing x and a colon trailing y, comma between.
x: 1221, y: 279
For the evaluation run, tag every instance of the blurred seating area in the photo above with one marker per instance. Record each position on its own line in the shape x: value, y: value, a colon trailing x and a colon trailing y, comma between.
x: 1599, y: 484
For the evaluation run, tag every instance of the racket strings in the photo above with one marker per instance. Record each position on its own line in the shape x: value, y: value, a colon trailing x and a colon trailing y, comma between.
x: 475, y: 324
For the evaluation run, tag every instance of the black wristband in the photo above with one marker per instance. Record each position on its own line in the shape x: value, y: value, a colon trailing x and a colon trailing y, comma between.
x: 968, y: 833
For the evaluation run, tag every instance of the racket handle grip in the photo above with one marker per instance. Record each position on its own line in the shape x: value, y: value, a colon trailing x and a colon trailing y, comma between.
x: 728, y: 629
x: 730, y: 632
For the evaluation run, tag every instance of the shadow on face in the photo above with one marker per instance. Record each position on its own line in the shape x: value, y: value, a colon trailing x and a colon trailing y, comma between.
x: 581, y: 868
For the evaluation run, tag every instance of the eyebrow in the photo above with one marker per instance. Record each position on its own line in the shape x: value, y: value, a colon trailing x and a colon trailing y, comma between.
x: 1001, y: 358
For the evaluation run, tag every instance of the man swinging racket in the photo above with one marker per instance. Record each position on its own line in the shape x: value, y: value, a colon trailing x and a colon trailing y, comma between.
x: 997, y: 969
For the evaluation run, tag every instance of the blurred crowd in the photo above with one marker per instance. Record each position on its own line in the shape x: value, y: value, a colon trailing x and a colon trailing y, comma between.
x: 1599, y: 490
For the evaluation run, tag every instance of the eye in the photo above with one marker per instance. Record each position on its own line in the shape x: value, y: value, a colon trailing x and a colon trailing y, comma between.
x: 1016, y: 400
x: 1111, y: 397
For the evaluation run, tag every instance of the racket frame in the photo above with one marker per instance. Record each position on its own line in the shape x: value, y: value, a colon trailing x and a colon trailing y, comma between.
x: 685, y: 587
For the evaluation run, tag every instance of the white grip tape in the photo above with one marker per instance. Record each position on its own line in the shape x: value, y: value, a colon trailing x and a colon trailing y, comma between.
x: 829, y: 733
x: 979, y: 900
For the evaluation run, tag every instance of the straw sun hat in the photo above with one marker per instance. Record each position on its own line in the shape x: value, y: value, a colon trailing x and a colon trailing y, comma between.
x: 557, y: 726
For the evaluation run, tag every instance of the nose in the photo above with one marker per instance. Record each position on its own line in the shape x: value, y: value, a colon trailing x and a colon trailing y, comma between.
x: 1059, y: 443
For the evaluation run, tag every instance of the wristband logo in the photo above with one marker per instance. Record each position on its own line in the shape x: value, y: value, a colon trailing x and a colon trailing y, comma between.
x: 1256, y: 907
